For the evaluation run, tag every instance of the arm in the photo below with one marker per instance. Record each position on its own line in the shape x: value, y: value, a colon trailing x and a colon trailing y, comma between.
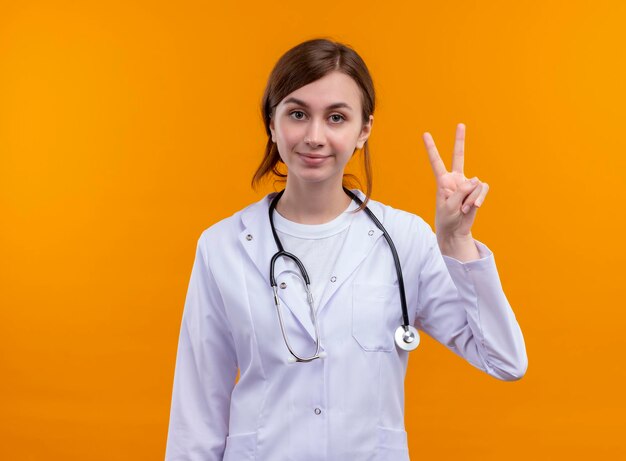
x: 206, y: 367
x: 463, y: 306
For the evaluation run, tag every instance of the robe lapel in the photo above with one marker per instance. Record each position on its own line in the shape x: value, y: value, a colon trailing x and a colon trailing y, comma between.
x: 258, y: 243
x: 361, y: 238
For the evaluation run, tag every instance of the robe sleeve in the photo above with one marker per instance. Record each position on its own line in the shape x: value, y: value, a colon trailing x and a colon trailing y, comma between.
x: 463, y: 306
x: 206, y: 368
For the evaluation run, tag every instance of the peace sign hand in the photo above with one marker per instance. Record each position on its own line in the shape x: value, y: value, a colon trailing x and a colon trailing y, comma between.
x: 458, y: 198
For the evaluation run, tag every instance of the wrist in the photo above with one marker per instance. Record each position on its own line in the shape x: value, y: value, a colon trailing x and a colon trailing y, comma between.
x: 454, y: 240
x: 458, y: 247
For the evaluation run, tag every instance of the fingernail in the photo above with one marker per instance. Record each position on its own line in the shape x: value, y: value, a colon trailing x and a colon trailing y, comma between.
x: 474, y: 181
x: 466, y: 209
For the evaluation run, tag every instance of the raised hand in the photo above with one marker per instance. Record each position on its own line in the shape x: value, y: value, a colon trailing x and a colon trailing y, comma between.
x: 458, y: 198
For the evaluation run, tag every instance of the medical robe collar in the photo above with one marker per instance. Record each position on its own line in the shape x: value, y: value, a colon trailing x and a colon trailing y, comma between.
x: 258, y: 243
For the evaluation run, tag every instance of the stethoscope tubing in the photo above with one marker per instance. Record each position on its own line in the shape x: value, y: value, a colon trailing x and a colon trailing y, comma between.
x: 396, y: 259
x: 406, y: 336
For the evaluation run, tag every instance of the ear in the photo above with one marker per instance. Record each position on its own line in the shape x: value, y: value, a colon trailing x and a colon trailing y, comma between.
x: 365, y: 132
x: 272, y: 129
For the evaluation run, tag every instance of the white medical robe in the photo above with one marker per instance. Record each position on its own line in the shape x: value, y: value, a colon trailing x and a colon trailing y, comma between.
x: 349, y: 405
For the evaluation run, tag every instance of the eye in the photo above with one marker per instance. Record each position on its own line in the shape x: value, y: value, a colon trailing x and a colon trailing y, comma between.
x: 297, y: 115
x: 337, y: 118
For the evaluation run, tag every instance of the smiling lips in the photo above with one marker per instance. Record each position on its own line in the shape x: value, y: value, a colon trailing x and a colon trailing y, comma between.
x: 313, y: 159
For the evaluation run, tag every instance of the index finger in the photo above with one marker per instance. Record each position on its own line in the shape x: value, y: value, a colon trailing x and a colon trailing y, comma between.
x: 433, y: 155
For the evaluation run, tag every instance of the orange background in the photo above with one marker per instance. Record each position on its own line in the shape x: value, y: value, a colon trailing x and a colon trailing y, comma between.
x: 127, y: 128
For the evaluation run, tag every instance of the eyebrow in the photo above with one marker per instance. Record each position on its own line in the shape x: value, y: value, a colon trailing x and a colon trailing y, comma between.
x: 336, y: 105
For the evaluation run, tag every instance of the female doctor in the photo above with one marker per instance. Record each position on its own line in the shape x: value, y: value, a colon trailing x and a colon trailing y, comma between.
x: 321, y: 332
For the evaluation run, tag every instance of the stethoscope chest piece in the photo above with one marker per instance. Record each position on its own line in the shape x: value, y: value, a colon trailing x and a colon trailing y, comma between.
x: 407, y: 337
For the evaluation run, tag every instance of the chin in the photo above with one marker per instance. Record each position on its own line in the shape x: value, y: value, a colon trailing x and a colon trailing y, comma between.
x: 312, y: 176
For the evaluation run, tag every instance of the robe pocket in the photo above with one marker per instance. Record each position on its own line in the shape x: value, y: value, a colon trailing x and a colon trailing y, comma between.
x: 392, y: 445
x: 240, y: 447
x: 375, y: 308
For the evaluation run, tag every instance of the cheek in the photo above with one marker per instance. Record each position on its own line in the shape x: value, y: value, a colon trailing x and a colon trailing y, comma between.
x: 346, y: 142
x: 287, y: 137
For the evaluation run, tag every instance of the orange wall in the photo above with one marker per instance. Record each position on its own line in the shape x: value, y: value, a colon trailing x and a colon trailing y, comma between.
x: 126, y: 128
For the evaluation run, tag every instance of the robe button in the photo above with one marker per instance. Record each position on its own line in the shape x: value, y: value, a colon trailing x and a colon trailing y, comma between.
x: 283, y: 285
x: 333, y: 279
x: 249, y: 237
x: 370, y: 233
x: 318, y: 411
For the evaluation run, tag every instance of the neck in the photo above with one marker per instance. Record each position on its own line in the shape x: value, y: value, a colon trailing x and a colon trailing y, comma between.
x: 312, y: 203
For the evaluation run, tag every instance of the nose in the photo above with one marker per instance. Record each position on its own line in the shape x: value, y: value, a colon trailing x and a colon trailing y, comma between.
x: 314, y: 136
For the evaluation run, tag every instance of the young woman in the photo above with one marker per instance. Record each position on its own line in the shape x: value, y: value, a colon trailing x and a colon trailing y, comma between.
x: 316, y: 293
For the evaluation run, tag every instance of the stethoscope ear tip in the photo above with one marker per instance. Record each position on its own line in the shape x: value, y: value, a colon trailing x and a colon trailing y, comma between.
x: 322, y: 355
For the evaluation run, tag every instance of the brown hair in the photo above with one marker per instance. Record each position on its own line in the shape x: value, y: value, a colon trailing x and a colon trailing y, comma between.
x: 301, y: 65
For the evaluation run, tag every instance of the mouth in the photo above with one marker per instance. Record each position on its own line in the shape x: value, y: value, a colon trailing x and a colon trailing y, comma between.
x: 313, y: 159
x: 313, y: 155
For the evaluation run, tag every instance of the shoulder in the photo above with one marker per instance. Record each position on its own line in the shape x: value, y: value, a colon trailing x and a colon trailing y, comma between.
x: 225, y: 232
x: 412, y: 235
x: 401, y: 222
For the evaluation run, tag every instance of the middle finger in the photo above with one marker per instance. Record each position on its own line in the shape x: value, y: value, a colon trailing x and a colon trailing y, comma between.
x: 459, y: 149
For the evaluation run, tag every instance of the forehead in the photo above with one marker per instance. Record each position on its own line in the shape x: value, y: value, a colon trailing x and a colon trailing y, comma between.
x: 332, y: 88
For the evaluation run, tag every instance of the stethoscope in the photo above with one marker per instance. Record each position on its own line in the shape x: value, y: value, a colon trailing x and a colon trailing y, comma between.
x: 406, y: 336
